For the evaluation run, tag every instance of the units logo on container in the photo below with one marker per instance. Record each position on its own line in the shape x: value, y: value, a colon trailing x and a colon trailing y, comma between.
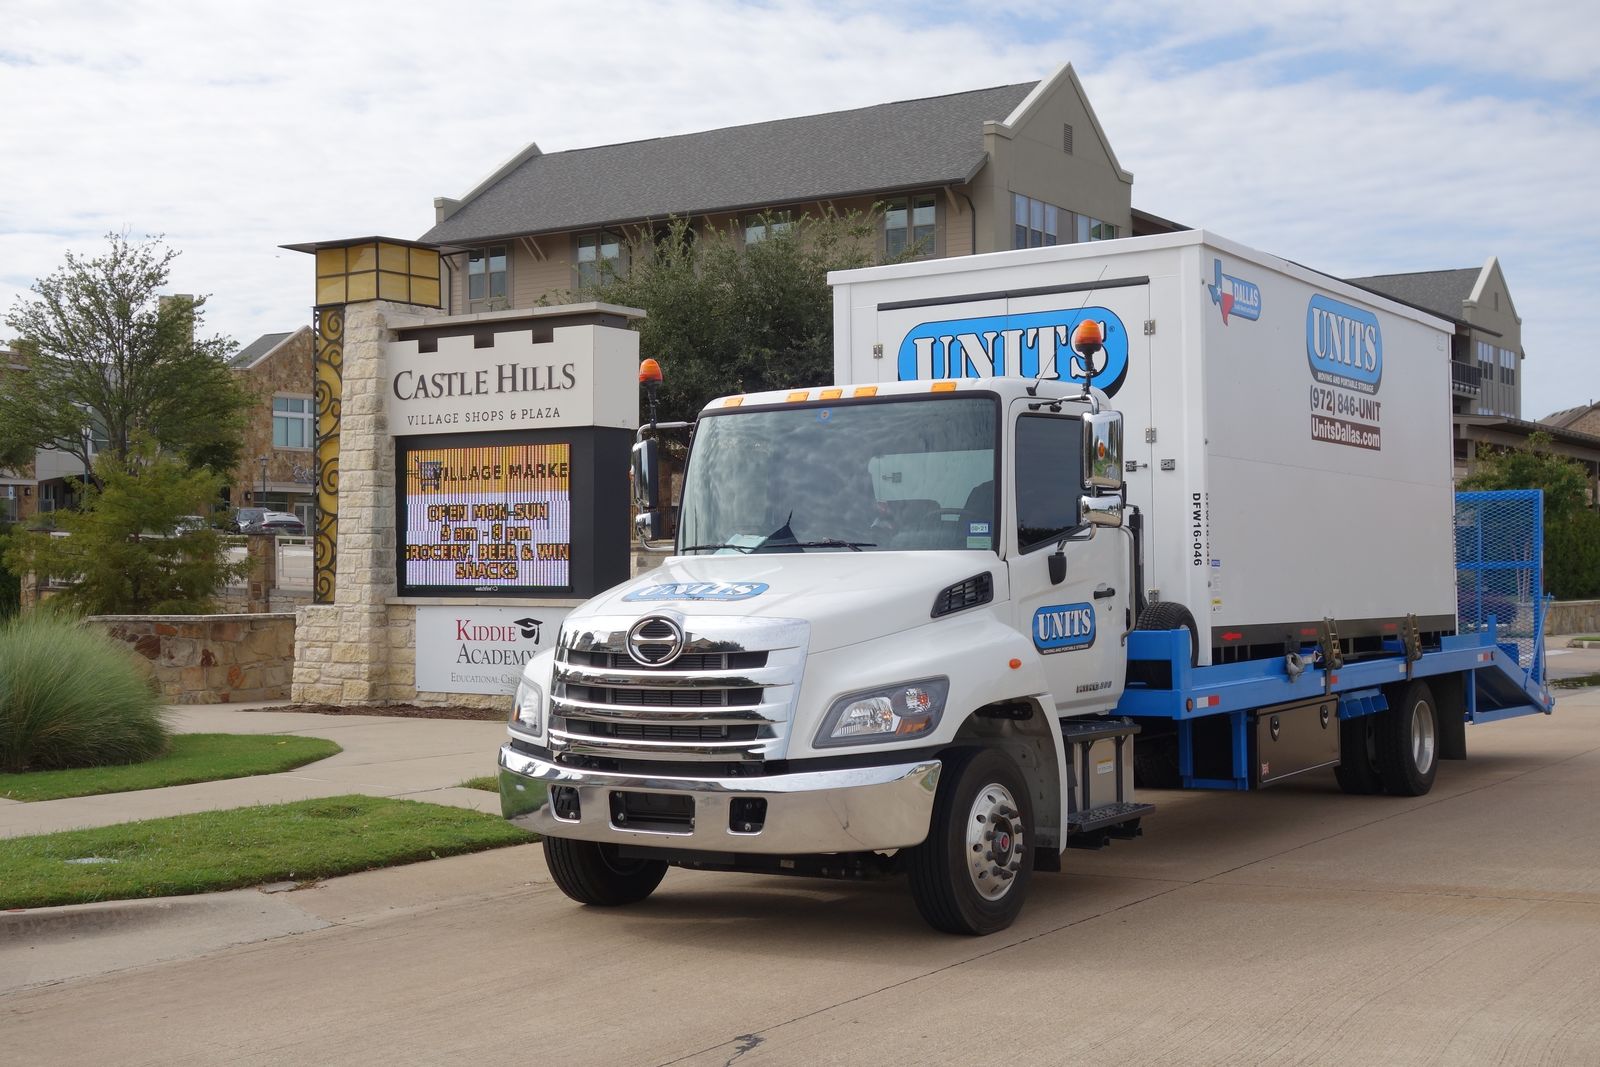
x: 1063, y: 627
x: 1235, y: 296
x: 1034, y: 345
x: 1344, y: 346
x: 715, y: 591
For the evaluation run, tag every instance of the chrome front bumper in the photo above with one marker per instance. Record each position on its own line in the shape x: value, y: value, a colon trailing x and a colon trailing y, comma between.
x: 856, y: 810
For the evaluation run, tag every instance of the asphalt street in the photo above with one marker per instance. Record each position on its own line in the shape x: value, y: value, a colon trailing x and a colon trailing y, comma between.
x: 1290, y: 926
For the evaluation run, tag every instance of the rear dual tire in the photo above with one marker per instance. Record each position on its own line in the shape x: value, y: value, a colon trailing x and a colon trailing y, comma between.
x: 1395, y: 751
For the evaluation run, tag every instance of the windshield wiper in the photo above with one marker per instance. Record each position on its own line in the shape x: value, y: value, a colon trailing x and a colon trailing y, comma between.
x: 725, y: 544
x: 826, y: 542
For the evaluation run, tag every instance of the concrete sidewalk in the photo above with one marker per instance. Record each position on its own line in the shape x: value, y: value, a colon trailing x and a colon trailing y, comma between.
x: 384, y: 756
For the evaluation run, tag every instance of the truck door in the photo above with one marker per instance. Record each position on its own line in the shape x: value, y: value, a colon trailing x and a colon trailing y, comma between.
x: 1075, y: 626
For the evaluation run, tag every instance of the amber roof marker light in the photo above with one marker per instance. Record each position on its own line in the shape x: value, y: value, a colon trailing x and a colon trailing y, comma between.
x: 650, y: 378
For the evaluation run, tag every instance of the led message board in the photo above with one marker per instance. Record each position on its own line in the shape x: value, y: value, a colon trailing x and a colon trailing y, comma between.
x: 492, y: 518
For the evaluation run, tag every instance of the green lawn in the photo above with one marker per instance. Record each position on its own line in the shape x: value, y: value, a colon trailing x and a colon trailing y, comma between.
x: 1583, y: 681
x: 216, y: 850
x: 491, y: 784
x: 190, y: 758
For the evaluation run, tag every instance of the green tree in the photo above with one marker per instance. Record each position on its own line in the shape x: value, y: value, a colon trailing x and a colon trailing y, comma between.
x: 107, y: 355
x: 130, y: 550
x: 725, y: 316
x: 1571, y: 528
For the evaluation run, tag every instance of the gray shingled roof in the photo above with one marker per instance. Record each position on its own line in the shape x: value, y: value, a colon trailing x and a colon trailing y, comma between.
x: 258, y: 348
x: 1567, y: 416
x: 934, y: 141
x: 1439, y: 291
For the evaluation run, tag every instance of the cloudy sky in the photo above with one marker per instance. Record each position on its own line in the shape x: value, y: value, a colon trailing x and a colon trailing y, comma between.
x: 1359, y: 137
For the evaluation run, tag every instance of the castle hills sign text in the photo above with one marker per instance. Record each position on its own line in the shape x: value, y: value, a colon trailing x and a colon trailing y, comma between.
x: 582, y: 376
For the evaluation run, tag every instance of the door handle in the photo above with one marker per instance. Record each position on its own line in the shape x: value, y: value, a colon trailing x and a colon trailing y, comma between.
x: 1103, y: 592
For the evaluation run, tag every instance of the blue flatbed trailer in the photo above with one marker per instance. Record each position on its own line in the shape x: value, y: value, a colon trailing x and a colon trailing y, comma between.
x: 1492, y: 668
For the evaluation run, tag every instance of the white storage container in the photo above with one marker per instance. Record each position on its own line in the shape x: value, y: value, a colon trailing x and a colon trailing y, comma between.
x: 1288, y: 434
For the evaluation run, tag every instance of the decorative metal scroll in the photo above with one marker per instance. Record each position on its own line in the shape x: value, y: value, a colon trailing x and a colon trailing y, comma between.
x: 329, y: 389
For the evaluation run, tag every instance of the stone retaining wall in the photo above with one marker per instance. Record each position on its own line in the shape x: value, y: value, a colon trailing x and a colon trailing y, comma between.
x: 1573, y: 617
x: 342, y: 664
x: 210, y: 659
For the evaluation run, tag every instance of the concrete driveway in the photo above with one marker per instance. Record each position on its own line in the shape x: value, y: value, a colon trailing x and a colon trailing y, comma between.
x: 1293, y: 926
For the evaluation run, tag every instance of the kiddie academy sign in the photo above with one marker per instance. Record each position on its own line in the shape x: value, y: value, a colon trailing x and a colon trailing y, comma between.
x: 481, y: 649
x: 582, y: 376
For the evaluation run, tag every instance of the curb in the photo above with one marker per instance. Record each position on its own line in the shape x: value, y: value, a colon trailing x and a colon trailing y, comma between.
x: 1578, y: 643
x: 100, y: 915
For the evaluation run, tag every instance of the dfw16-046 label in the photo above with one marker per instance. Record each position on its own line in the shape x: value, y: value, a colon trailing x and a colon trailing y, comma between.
x: 1344, y: 346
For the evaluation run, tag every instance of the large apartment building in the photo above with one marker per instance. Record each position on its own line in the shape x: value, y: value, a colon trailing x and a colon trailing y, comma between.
x: 1486, y: 354
x: 1008, y: 167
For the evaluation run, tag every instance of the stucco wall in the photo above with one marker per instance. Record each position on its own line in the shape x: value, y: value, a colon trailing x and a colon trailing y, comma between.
x: 210, y: 659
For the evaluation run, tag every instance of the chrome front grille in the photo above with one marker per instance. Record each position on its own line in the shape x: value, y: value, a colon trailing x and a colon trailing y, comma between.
x: 727, y: 696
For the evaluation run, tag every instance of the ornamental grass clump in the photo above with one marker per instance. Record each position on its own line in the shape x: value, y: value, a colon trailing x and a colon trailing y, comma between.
x: 71, y: 697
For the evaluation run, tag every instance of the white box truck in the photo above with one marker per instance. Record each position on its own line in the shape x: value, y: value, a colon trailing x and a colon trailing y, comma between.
x: 1164, y: 508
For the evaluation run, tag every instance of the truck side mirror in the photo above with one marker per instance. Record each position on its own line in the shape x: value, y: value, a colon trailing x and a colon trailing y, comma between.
x: 646, y: 475
x: 1102, y: 510
x: 648, y: 525
x: 1102, y: 452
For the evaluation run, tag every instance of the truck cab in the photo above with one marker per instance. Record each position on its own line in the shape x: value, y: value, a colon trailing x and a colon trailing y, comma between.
x: 883, y: 604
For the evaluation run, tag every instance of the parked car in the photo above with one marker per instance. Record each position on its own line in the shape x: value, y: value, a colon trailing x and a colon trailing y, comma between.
x: 277, y: 522
x: 243, y: 518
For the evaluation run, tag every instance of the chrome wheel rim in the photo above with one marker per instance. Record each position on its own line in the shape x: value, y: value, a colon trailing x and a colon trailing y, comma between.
x: 1423, y: 738
x: 996, y: 843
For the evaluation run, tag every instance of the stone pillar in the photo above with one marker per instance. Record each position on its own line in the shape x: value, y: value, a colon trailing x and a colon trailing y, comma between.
x: 341, y: 652
x: 366, y: 537
x: 352, y: 632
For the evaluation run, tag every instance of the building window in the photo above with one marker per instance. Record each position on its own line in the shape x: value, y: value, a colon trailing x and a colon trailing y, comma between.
x: 908, y: 226
x: 758, y: 228
x: 10, y: 506
x: 594, y: 250
x: 1095, y: 230
x: 1035, y: 224
x: 487, y: 278
x: 291, y: 422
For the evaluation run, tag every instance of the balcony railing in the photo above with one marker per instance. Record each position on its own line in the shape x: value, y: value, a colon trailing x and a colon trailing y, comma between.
x: 1465, y: 378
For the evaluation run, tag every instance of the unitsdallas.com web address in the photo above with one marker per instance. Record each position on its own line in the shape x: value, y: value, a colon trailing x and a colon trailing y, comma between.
x: 1340, y: 432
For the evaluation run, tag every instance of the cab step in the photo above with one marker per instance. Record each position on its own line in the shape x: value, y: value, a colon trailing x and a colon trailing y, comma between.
x: 1096, y: 827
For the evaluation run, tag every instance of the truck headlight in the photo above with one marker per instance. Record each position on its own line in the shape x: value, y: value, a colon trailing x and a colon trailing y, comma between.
x: 527, y: 709
x: 892, y: 713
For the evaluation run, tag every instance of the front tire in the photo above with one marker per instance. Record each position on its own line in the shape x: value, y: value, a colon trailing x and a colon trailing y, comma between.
x: 594, y: 874
x: 971, y: 874
x: 1407, y: 737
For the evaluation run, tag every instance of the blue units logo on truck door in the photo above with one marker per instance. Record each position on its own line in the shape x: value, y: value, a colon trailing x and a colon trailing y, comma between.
x: 1063, y: 627
x: 1035, y: 345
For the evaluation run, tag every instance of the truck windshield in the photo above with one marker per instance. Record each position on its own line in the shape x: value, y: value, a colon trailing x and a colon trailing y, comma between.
x: 888, y: 475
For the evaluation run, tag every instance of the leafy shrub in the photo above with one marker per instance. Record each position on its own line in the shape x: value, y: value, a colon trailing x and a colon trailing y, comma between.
x: 10, y: 584
x: 71, y: 697
x: 1572, y: 556
x: 129, y: 552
